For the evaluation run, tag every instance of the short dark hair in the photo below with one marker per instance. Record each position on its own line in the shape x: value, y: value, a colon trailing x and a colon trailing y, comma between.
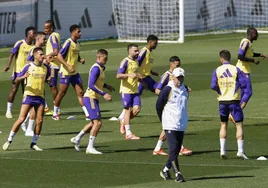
x: 29, y: 29
x: 38, y: 33
x: 74, y: 27
x: 49, y: 22
x: 102, y: 51
x: 37, y: 49
x: 225, y: 54
x: 152, y: 37
x: 131, y: 46
x: 174, y: 58
x: 250, y: 30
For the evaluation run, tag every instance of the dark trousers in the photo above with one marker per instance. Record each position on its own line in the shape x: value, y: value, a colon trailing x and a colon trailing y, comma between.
x: 174, y: 140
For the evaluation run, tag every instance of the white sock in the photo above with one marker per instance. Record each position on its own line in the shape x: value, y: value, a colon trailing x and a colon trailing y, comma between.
x: 128, y: 131
x: 158, y: 145
x: 80, y: 135
x: 166, y: 169
x: 56, y: 109
x: 182, y: 147
x: 222, y: 145
x: 91, y: 142
x: 30, y: 127
x: 11, y: 135
x: 9, y: 106
x: 35, y: 138
x: 240, y: 145
x: 121, y: 117
x: 46, y: 106
x: 85, y: 111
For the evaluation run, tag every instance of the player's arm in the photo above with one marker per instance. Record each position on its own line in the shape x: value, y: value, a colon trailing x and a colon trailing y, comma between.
x: 141, y: 56
x: 81, y: 60
x: 62, y: 54
x: 23, y: 74
x: 242, y: 54
x: 14, y: 52
x: 109, y: 87
x: 214, y: 83
x: 48, y: 75
x: 154, y: 73
x: 162, y: 83
x: 162, y: 100
x: 55, y: 45
x: 121, y: 72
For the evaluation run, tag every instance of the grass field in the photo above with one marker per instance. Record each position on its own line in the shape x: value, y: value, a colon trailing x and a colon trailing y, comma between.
x: 131, y: 163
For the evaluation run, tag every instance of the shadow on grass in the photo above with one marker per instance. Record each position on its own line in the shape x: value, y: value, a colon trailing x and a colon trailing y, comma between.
x: 156, y: 136
x: 129, y: 150
x: 81, y: 112
x: 72, y: 147
x: 256, y: 124
x: 219, y: 177
x: 208, y: 151
x: 70, y: 133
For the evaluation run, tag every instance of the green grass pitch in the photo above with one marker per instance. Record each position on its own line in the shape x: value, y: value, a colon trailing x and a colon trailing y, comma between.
x: 131, y: 163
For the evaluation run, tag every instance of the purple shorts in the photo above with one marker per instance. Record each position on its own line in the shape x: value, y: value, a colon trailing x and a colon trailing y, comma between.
x: 234, y: 109
x: 14, y: 76
x: 92, y: 106
x: 130, y: 100
x: 151, y: 84
x: 54, y: 77
x: 33, y: 100
x: 73, y: 79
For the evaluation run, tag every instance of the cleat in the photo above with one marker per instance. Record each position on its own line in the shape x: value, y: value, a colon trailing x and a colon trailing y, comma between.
x: 122, y: 127
x: 165, y: 175
x: 231, y: 118
x: 46, y: 110
x: 56, y: 118
x: 29, y: 133
x: 59, y: 113
x: 179, y: 178
x: 185, y: 151
x: 49, y: 113
x: 242, y: 156
x: 23, y: 127
x: 76, y: 144
x: 8, y: 115
x: 132, y: 137
x: 6, y: 145
x: 224, y: 156
x: 35, y: 147
x: 88, y: 119
x: 93, y: 151
x: 160, y: 152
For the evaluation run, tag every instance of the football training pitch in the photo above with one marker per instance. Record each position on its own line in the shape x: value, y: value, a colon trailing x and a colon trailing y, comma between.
x: 131, y: 163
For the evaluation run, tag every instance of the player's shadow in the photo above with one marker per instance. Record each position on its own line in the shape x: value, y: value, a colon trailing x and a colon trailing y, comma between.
x: 72, y: 147
x: 70, y: 133
x: 156, y: 136
x: 81, y: 112
x: 208, y: 151
x: 129, y: 150
x: 218, y: 177
x: 257, y: 124
x: 205, y: 120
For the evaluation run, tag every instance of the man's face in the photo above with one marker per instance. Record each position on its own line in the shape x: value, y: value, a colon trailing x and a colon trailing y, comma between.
x: 175, y: 64
x: 102, y: 58
x: 178, y: 80
x: 48, y: 29
x: 153, y: 44
x: 31, y: 34
x: 133, y: 52
x: 42, y: 40
x: 77, y: 33
x: 39, y: 56
x: 254, y: 35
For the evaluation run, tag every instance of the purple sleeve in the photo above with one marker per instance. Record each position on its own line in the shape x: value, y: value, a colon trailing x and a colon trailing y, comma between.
x: 55, y: 45
x: 16, y: 48
x: 214, y: 82
x: 123, y: 67
x: 65, y: 48
x: 163, y: 81
x: 243, y: 85
x: 242, y: 51
x: 30, y: 56
x: 25, y: 69
x: 141, y: 56
x: 94, y: 75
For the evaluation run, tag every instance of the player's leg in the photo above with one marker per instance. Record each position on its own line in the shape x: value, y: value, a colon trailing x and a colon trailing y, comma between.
x: 78, y: 86
x: 25, y: 108
x: 158, y: 148
x: 64, y: 85
x: 90, y: 109
x: 121, y: 121
x: 31, y: 124
x: 238, y: 115
x: 247, y: 92
x: 39, y: 109
x: 11, y: 96
x: 224, y: 114
x: 53, y: 89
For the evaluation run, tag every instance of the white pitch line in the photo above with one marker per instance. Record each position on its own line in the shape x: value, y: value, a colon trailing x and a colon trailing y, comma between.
x: 130, y: 162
